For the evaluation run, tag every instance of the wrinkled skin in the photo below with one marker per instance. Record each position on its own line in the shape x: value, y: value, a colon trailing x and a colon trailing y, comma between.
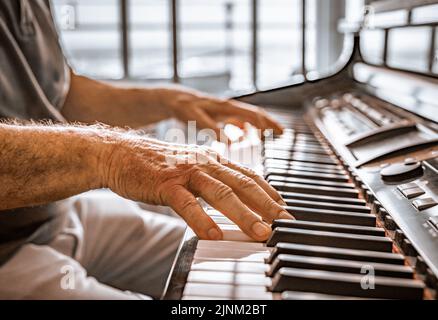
x: 174, y: 175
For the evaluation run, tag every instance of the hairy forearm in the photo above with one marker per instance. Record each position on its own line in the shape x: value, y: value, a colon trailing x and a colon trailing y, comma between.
x: 41, y: 164
x: 89, y: 101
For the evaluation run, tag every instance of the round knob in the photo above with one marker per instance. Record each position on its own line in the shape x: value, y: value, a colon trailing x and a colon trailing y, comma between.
x: 402, y: 171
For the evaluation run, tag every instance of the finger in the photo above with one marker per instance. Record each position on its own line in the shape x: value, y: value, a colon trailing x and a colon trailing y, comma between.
x: 248, y: 172
x: 267, y: 123
x: 205, y: 121
x: 249, y: 113
x: 259, y: 180
x: 235, y: 122
x: 222, y: 198
x: 250, y: 193
x: 186, y: 205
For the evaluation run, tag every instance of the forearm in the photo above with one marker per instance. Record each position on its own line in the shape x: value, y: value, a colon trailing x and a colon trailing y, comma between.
x: 89, y: 101
x: 41, y: 164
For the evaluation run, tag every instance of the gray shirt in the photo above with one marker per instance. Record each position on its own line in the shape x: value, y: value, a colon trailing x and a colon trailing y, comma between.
x: 34, y: 81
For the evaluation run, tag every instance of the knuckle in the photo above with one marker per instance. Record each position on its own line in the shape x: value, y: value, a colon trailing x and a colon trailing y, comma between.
x: 187, y: 204
x: 271, y: 208
x: 251, y: 173
x: 223, y: 192
x: 217, y: 170
x: 246, y: 183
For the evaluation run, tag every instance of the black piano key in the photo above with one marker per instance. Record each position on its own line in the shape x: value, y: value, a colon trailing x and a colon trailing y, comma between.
x: 338, y: 265
x: 290, y: 144
x: 283, y: 154
x: 331, y: 227
x: 269, y: 162
x: 294, y: 148
x: 315, y: 189
x: 290, y: 156
x: 330, y: 216
x: 335, y: 253
x: 324, y: 183
x: 306, y: 175
x: 346, y: 284
x: 302, y: 158
x: 300, y: 168
x: 330, y: 239
x: 327, y: 206
x: 318, y: 198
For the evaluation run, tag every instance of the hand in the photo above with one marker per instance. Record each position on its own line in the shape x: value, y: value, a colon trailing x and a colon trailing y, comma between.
x: 209, y: 112
x: 174, y: 175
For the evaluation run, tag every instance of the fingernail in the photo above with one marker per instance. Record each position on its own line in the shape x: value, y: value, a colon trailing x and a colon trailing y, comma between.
x: 261, y: 229
x: 214, y: 234
x: 285, y: 215
x: 281, y: 202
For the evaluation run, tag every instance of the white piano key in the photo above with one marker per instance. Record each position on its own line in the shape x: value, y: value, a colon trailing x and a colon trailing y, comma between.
x: 230, y: 255
x: 229, y: 266
x: 233, y: 234
x: 247, y: 279
x: 248, y: 246
x: 214, y: 213
x: 202, y: 298
x: 222, y: 220
x: 227, y: 291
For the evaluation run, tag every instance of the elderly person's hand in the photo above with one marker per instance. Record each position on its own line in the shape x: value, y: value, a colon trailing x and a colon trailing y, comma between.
x: 210, y: 112
x: 174, y: 175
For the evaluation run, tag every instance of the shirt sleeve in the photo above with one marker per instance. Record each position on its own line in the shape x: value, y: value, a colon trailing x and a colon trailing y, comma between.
x: 34, y: 76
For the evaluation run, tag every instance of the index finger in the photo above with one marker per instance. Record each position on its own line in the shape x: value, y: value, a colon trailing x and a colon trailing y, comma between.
x: 256, y: 116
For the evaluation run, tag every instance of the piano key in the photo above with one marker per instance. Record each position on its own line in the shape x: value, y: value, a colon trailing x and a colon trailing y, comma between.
x: 222, y: 220
x: 294, y: 295
x: 231, y: 278
x: 330, y: 216
x: 327, y: 206
x: 330, y: 239
x: 283, y: 154
x: 338, y: 265
x: 233, y: 233
x: 310, y: 181
x: 224, y: 245
x: 228, y: 266
x: 304, y: 169
x: 280, y: 166
x: 335, y: 253
x: 319, y: 198
x: 302, y: 158
x: 230, y: 255
x: 199, y: 298
x: 227, y: 291
x: 306, y: 175
x: 302, y: 150
x: 294, y: 148
x: 271, y: 162
x: 291, y: 144
x: 335, y: 283
x: 315, y: 189
x: 332, y: 227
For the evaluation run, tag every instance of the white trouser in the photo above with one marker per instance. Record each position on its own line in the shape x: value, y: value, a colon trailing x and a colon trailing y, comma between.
x: 111, y: 249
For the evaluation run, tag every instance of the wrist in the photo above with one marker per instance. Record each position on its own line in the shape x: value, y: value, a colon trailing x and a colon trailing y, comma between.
x: 104, y: 160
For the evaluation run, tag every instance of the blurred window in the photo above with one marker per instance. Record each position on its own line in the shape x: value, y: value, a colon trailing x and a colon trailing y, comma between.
x: 216, y: 40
